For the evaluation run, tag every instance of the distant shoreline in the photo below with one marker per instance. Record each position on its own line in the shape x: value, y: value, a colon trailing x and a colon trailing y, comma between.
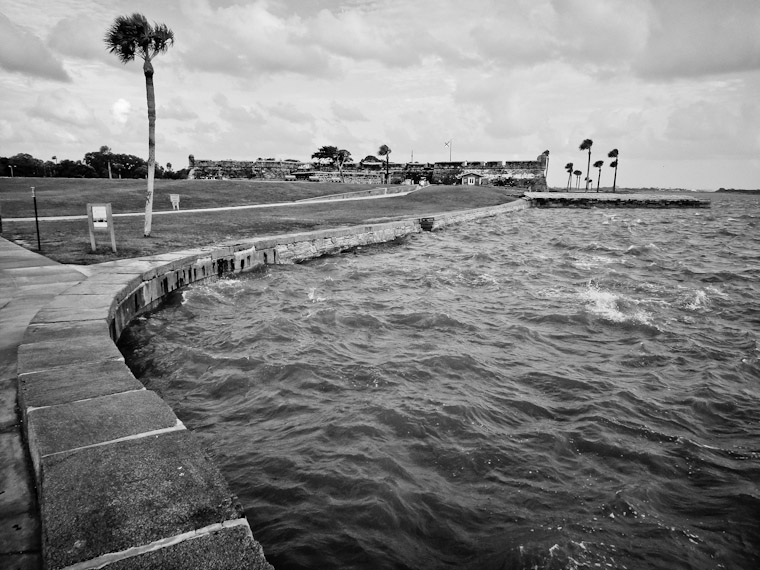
x: 737, y: 191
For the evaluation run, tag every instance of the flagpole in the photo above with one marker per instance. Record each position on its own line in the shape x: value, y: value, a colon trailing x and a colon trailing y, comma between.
x: 449, y: 144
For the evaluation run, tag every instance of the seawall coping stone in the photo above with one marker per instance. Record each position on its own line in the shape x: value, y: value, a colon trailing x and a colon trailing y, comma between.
x: 43, y: 332
x: 59, y: 312
x: 75, y: 382
x: 55, y: 354
x: 84, y: 423
x: 109, y: 498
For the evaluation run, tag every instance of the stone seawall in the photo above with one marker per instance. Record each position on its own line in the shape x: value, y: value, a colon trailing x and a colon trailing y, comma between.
x: 121, y: 482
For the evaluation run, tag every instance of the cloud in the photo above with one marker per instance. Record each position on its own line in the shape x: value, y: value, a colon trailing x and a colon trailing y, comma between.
x: 120, y: 111
x: 249, y: 40
x: 23, y: 52
x: 64, y: 108
x: 237, y: 115
x: 347, y: 112
x: 80, y: 37
x: 731, y: 130
x: 176, y: 109
x: 693, y: 38
x: 289, y: 112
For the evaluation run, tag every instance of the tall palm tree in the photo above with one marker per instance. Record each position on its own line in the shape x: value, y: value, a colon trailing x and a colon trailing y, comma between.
x: 614, y: 164
x: 598, y: 164
x: 569, y: 170
x: 577, y: 179
x: 131, y: 36
x: 586, y: 145
x: 385, y: 151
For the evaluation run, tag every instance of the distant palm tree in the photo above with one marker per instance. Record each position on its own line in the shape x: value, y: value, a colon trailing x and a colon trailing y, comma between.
x: 131, y: 36
x: 569, y: 170
x: 341, y: 157
x: 577, y: 179
x: 586, y: 145
x: 106, y: 150
x: 614, y: 164
x: 598, y: 164
x: 385, y: 151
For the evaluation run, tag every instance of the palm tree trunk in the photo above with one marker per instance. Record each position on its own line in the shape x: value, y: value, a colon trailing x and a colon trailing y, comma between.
x: 598, y: 178
x: 387, y: 177
x: 614, y: 180
x: 588, y: 167
x: 148, y: 70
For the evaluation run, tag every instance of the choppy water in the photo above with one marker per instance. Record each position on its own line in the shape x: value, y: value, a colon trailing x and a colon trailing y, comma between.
x: 548, y: 389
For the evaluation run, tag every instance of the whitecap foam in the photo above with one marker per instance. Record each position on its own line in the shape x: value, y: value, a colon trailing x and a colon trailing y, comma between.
x: 314, y: 298
x: 700, y: 301
x: 613, y: 307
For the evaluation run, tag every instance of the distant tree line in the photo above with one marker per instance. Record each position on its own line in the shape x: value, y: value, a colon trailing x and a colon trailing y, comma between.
x: 102, y: 163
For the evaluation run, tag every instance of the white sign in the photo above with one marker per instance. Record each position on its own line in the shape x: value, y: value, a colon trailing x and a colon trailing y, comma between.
x: 99, y: 217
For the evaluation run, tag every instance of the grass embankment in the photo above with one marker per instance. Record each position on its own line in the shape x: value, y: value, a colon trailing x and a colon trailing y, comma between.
x: 69, y: 242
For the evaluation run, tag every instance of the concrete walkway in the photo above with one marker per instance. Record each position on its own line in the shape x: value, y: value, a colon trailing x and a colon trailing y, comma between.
x: 309, y: 201
x: 28, y: 281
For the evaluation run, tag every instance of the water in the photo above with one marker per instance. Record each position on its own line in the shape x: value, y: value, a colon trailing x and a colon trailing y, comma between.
x: 548, y: 389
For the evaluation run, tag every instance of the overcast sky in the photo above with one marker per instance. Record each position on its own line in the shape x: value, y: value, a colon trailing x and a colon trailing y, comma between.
x: 673, y: 84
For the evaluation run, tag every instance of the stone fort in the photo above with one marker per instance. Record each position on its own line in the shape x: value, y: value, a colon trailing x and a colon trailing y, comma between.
x: 522, y: 173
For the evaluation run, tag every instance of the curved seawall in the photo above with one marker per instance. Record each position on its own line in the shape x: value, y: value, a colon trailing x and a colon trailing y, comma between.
x: 121, y: 482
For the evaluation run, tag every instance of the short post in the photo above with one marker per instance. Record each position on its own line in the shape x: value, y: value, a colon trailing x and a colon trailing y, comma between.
x: 99, y: 217
x: 36, y: 221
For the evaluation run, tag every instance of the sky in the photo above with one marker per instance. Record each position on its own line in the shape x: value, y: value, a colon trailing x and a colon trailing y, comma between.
x: 672, y: 84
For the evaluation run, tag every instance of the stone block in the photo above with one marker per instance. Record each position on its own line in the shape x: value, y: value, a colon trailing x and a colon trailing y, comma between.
x: 65, y: 384
x: 57, y: 331
x: 65, y: 352
x: 89, y: 422
x: 114, y: 497
x: 70, y: 312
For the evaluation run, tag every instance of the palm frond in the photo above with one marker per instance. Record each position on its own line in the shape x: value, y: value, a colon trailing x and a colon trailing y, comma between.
x: 131, y: 36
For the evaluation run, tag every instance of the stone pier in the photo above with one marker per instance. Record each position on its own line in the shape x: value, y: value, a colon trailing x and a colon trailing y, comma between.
x: 613, y: 200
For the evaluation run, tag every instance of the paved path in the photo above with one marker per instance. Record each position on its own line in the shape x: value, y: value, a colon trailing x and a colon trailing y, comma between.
x: 28, y: 281
x: 308, y: 202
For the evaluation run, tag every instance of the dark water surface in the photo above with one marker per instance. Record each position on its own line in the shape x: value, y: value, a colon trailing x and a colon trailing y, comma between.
x: 547, y: 389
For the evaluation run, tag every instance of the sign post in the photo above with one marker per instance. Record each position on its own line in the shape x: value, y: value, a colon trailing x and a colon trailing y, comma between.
x: 36, y: 221
x: 100, y: 218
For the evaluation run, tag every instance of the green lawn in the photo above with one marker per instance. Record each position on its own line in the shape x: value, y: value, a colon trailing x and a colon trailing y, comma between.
x: 68, y: 242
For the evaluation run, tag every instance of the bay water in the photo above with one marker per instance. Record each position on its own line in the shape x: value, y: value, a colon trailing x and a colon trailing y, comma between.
x: 544, y: 389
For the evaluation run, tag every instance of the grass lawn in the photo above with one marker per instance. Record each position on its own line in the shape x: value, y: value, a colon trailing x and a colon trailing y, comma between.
x: 69, y: 242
